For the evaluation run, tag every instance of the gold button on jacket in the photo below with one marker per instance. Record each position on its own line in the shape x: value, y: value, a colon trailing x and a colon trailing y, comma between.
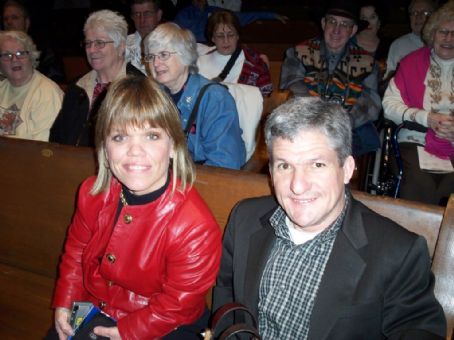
x: 127, y: 218
x: 111, y: 258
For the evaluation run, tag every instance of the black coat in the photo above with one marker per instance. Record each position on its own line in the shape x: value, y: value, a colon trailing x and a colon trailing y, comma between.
x: 75, y: 123
x: 377, y: 283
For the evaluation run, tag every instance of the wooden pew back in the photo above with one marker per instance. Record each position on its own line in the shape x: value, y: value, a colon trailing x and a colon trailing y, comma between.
x: 39, y: 182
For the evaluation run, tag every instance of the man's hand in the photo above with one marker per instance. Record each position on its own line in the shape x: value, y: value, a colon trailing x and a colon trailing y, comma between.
x: 109, y: 332
x: 442, y: 124
x: 62, y: 325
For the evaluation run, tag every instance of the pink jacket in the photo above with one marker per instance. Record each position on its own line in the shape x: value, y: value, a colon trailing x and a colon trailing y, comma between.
x: 151, y: 270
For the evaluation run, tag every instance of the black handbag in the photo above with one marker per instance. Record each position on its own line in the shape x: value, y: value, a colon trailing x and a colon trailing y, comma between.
x: 85, y: 331
x: 236, y: 329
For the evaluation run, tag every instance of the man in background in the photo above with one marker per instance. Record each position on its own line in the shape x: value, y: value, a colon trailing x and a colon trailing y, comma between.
x: 418, y: 11
x: 16, y: 17
x: 146, y: 15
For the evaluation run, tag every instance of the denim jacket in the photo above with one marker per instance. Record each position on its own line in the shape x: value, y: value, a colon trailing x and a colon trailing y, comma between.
x: 215, y: 136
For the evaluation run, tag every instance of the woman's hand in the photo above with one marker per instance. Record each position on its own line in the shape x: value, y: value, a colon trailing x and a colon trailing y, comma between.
x: 442, y: 124
x: 109, y: 332
x: 62, y: 325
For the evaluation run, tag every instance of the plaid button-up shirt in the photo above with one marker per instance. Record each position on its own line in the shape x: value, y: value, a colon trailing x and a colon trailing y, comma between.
x: 291, y: 278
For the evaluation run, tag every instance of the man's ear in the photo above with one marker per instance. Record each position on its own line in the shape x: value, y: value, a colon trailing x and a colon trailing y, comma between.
x: 159, y: 15
x: 354, y: 30
x: 349, y: 167
x: 323, y: 22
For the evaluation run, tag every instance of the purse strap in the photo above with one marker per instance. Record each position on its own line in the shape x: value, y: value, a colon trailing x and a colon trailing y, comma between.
x: 225, y: 310
x: 195, y: 109
x: 228, y: 66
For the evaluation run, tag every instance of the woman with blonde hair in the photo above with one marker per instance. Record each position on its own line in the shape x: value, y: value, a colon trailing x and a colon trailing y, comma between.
x: 143, y: 246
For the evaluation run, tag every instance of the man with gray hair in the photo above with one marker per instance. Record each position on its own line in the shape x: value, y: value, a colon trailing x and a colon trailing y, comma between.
x: 146, y: 15
x: 314, y: 263
x: 418, y: 11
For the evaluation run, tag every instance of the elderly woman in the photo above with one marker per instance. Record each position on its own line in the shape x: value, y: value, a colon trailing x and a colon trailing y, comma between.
x: 208, y: 112
x: 29, y: 101
x: 422, y: 93
x: 230, y: 62
x: 105, y: 39
x: 143, y: 246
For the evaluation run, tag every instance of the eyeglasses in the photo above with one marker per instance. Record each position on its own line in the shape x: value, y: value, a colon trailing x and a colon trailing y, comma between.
x: 162, y: 56
x: 98, y: 44
x: 145, y: 14
x: 444, y: 33
x: 8, y: 56
x: 330, y: 21
x: 420, y: 13
x: 228, y: 36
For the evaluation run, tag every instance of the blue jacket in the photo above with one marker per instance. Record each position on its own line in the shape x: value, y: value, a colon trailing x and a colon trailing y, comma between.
x: 195, y: 19
x: 215, y: 137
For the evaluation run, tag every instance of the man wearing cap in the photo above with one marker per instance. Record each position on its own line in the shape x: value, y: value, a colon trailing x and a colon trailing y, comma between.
x: 337, y: 70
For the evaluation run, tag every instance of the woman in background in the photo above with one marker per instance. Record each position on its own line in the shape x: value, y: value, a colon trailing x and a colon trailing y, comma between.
x: 143, y: 246
x: 247, y: 65
x: 421, y: 95
x: 29, y: 101
x: 105, y: 40
x: 214, y: 136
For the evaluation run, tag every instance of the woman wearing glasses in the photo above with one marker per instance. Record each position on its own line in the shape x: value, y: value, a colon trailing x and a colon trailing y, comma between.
x: 212, y: 127
x: 421, y: 95
x: 105, y: 38
x: 29, y: 101
x: 230, y: 62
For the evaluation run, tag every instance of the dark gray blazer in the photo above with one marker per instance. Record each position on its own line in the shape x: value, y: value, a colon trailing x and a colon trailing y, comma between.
x: 377, y: 283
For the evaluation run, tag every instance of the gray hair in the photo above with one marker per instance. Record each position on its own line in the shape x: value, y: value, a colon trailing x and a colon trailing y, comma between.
x: 113, y: 23
x: 311, y: 113
x: 171, y: 37
x: 444, y: 13
x: 24, y: 39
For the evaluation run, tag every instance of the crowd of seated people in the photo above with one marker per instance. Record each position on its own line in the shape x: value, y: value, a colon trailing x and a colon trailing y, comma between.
x: 144, y: 247
x: 342, y: 65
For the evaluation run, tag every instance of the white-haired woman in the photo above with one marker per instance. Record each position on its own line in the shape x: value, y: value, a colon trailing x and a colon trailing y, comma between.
x: 105, y: 40
x: 214, y: 135
x: 422, y: 94
x: 29, y: 101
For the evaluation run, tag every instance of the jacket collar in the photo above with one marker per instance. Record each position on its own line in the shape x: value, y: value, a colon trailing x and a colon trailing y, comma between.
x: 343, y: 271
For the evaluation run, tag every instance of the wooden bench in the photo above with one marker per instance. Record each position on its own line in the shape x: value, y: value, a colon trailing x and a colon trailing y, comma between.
x: 40, y: 180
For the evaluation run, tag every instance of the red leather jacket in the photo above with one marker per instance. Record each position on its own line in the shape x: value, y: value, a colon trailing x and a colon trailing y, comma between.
x: 151, y: 270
